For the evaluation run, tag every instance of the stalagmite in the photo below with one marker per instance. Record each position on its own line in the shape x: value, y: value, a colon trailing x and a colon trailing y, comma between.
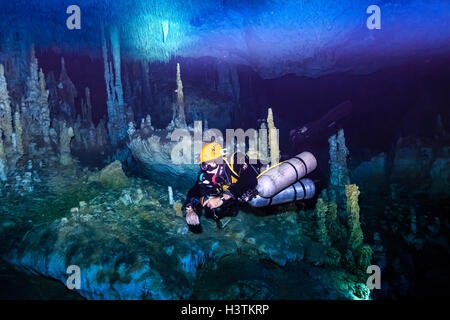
x: 67, y: 91
x: 115, y: 51
x: 117, y: 125
x: 18, y: 134
x: 3, y: 162
x: 321, y: 216
x: 44, y: 118
x: 263, y: 148
x: 339, y: 175
x: 31, y: 109
x: 355, y: 233
x: 179, y: 116
x: 5, y: 108
x: 333, y: 225
x: 66, y: 135
x: 273, y: 139
x: 53, y: 97
x: 88, y: 108
x: 101, y: 134
x: 169, y: 189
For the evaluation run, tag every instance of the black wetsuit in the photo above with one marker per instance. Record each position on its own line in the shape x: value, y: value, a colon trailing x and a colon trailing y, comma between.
x: 246, y: 182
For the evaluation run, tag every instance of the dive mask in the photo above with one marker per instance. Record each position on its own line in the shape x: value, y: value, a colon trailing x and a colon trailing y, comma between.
x: 208, y: 166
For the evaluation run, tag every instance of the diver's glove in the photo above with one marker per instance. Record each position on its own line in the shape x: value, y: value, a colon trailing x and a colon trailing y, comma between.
x: 248, y: 195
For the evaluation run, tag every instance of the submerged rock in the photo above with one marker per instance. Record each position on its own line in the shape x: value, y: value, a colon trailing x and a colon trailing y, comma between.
x: 112, y: 176
x: 144, y: 251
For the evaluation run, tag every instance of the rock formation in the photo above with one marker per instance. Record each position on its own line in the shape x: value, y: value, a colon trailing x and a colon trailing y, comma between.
x: 44, y: 117
x: 321, y: 216
x: 5, y: 109
x: 112, y: 176
x: 414, y: 160
x: 117, y: 125
x: 354, y: 225
x: 179, y: 115
x: 273, y: 139
x: 86, y: 107
x: 67, y: 92
x: 3, y: 161
x: 339, y: 173
x: 31, y: 107
x: 153, y: 148
x: 18, y: 134
x: 65, y: 136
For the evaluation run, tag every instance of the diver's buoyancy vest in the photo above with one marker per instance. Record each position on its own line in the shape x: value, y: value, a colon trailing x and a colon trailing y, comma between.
x: 213, y: 184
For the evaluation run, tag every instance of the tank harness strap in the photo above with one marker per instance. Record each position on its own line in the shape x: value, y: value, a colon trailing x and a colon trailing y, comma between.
x: 267, y: 198
x: 234, y: 175
x: 276, y: 165
x: 295, y: 192
x: 293, y: 167
x: 304, y: 189
x: 304, y: 164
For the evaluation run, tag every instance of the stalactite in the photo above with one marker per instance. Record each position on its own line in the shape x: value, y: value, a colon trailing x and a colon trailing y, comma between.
x: 165, y: 29
x: 5, y: 108
x: 273, y: 139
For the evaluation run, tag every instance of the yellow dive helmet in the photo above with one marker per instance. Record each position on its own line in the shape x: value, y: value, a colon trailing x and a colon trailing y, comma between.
x: 211, y: 151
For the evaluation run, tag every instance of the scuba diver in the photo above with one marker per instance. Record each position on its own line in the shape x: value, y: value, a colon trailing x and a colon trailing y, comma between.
x: 222, y: 182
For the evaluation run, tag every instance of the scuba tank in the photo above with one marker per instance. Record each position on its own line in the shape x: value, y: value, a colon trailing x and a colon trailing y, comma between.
x: 303, y: 189
x: 284, y: 174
